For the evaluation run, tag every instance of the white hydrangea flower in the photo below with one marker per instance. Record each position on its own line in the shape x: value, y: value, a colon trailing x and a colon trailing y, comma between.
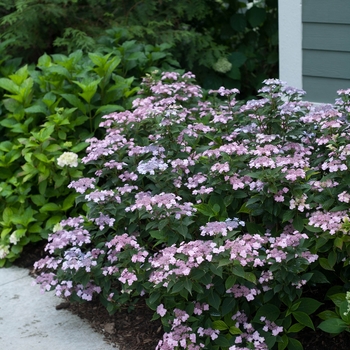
x: 13, y: 239
x: 57, y: 227
x: 68, y: 159
x: 347, y: 298
x: 222, y: 65
x: 4, y: 250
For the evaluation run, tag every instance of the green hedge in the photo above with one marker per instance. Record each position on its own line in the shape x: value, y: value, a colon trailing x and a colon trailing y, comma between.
x: 46, y: 110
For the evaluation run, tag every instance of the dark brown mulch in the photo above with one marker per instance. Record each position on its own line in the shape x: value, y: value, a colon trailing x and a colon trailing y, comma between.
x: 136, y: 331
x: 129, y: 330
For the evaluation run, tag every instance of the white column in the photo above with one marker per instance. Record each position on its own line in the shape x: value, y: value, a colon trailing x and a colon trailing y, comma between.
x: 290, y: 42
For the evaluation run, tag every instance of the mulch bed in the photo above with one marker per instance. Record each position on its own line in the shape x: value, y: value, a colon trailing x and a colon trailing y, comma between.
x: 135, y: 331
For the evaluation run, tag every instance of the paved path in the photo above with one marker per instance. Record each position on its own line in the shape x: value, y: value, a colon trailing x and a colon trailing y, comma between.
x: 30, y: 321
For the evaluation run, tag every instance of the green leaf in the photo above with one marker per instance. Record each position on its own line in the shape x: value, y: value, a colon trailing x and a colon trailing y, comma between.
x: 237, y: 58
x: 53, y: 148
x: 188, y: 285
x: 338, y: 242
x: 42, y: 157
x: 6, y: 146
x: 78, y: 121
x: 183, y: 230
x: 254, y: 228
x: 152, y: 301
x: 222, y: 341
x: 79, y: 147
x: 249, y: 276
x: 313, y: 229
x: 177, y: 287
x: 344, y: 312
x: 327, y: 314
x: 62, y: 135
x: 44, y: 61
x: 205, y: 209
x: 298, y: 223
x: 282, y: 344
x: 325, y: 264
x: 220, y: 325
x: 225, y: 262
x: 53, y: 220
x: 234, y: 74
x: 328, y: 203
x: 7, y: 216
x: 157, y: 55
x: 89, y: 90
x: 16, y: 249
x: 107, y: 109
x: 214, y: 299
x: 256, y: 16
x: 216, y: 208
x: 332, y: 258
x: 239, y: 194
x: 295, y: 328
x: 333, y: 326
x: 69, y: 202
x: 294, y: 344
x: 238, y: 271
x: 227, y: 306
x: 59, y: 70
x: 49, y: 207
x: 338, y: 298
x: 28, y: 216
x: 35, y: 228
x: 49, y: 99
x: 35, y: 109
x: 38, y: 199
x: 303, y: 318
x: 9, y: 85
x: 308, y: 305
x: 287, y: 215
x: 235, y: 331
x: 98, y: 59
x: 230, y: 281
x: 75, y: 102
x: 270, y: 311
x: 42, y: 187
x: 159, y: 235
x: 238, y: 22
x: 244, y: 209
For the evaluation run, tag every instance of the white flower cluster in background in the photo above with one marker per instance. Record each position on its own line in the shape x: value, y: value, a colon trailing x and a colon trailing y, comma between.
x: 222, y: 65
x: 4, y: 250
x: 68, y: 159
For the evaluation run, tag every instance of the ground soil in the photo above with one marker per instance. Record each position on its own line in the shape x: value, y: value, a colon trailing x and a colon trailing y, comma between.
x: 135, y: 331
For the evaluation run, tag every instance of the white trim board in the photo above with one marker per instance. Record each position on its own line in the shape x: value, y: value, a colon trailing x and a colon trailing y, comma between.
x: 290, y: 42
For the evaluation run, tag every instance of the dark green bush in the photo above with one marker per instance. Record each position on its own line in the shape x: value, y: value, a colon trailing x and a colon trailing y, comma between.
x: 33, y: 25
x: 231, y: 43
x: 225, y: 43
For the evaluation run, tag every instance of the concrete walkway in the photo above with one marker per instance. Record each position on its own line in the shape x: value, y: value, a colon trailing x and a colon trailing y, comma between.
x: 30, y: 321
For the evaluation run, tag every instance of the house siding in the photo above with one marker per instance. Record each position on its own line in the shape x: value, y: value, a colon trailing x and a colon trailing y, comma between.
x: 325, y: 48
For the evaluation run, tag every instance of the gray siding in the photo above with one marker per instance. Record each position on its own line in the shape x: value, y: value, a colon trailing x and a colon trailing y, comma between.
x: 326, y: 11
x: 326, y: 48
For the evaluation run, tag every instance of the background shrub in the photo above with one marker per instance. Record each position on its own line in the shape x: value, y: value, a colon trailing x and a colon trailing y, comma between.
x: 225, y: 43
x: 49, y: 109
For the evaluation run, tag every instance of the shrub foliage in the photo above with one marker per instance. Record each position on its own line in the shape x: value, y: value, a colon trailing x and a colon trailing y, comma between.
x: 49, y: 109
x: 220, y: 214
x: 231, y: 43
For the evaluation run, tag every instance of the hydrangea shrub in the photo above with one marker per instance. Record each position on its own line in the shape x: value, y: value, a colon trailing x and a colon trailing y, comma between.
x: 221, y: 214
